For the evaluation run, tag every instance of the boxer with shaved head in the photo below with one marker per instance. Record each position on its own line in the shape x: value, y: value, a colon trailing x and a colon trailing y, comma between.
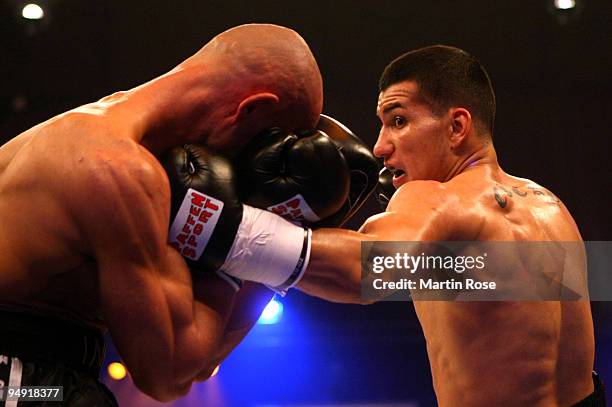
x: 84, y: 208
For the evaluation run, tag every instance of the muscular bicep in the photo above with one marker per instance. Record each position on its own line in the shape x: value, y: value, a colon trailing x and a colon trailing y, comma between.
x: 125, y: 209
x: 145, y: 286
x: 147, y: 313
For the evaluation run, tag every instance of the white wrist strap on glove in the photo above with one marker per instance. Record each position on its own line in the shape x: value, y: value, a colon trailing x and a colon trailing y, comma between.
x: 268, y: 249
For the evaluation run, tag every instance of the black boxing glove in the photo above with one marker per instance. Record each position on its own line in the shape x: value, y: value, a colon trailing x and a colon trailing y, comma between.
x: 203, y: 226
x: 300, y: 176
x: 385, y: 188
x: 363, y: 169
x: 214, y: 231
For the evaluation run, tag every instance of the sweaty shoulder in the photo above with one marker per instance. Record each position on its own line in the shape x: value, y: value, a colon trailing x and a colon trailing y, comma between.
x: 531, y: 211
x: 73, y: 179
x: 119, y: 190
x: 419, y: 210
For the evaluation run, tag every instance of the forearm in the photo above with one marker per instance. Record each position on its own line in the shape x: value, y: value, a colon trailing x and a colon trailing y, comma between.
x: 215, y: 297
x: 196, y: 345
x: 182, y: 339
x: 334, y: 268
x: 248, y: 305
x: 214, y: 301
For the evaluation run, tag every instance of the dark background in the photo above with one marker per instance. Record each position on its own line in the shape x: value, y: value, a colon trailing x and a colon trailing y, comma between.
x: 552, y: 73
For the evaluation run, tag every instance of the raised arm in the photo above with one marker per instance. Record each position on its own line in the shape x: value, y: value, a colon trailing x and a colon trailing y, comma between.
x: 165, y: 337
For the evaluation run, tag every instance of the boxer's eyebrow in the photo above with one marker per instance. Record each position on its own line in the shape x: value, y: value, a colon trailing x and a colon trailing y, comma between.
x: 391, y: 107
x: 388, y: 109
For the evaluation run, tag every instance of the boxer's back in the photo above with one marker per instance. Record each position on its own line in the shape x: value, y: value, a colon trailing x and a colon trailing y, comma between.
x: 44, y: 261
x: 509, y: 353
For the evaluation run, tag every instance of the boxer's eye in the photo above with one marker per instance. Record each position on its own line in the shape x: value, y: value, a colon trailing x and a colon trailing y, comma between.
x: 399, y: 121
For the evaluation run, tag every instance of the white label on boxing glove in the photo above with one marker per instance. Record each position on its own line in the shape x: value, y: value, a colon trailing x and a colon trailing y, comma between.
x: 194, y: 223
x: 294, y: 209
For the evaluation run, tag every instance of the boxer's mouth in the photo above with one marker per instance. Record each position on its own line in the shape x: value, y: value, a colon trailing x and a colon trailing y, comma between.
x: 398, y: 176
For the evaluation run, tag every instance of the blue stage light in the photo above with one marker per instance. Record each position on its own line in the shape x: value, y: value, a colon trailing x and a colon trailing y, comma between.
x: 271, y: 314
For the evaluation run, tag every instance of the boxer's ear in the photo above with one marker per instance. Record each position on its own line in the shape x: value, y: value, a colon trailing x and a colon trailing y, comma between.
x: 257, y: 105
x: 461, y: 123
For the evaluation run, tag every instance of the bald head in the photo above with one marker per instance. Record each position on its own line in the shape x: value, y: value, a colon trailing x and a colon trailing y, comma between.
x: 257, y: 58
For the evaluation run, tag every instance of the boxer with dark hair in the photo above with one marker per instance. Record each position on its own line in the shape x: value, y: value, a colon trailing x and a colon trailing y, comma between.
x: 84, y: 209
x: 437, y: 109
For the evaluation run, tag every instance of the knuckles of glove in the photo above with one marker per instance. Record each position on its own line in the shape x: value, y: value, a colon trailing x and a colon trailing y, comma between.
x: 279, y: 165
x: 362, y: 164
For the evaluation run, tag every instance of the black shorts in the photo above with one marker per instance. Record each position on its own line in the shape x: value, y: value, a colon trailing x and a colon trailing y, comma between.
x: 597, y: 398
x: 42, y: 350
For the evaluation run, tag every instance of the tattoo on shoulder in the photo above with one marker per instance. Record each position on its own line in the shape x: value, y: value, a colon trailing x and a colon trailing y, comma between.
x: 502, y: 193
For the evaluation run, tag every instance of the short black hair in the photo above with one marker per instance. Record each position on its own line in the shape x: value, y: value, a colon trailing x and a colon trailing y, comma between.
x: 446, y: 77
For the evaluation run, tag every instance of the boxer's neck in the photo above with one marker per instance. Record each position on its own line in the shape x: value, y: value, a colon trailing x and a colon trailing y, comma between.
x: 172, y: 109
x: 485, y: 155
